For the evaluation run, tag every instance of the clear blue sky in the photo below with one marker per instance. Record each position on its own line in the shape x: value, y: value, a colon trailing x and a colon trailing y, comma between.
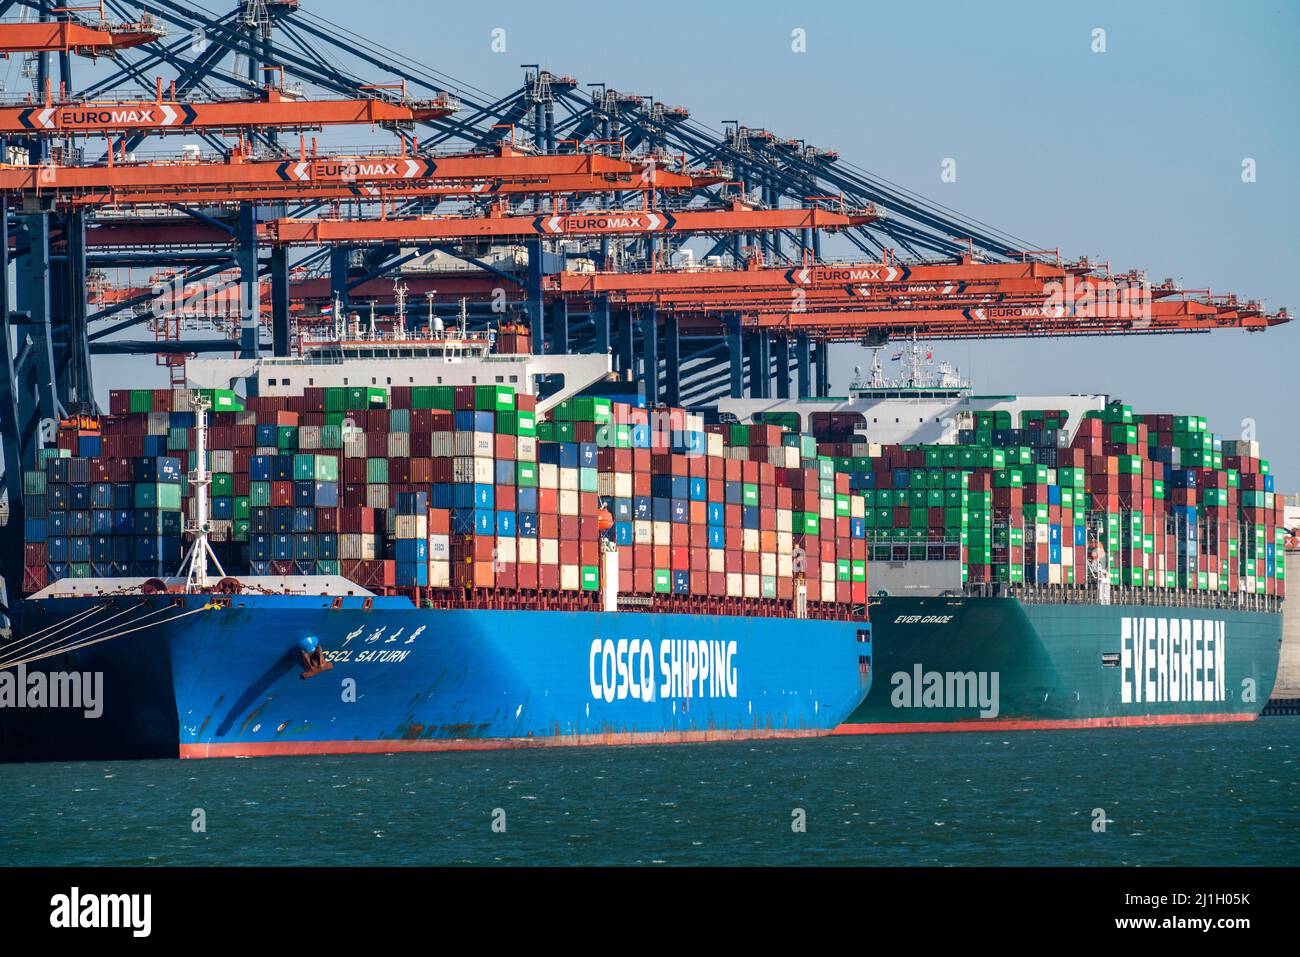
x: 1132, y: 156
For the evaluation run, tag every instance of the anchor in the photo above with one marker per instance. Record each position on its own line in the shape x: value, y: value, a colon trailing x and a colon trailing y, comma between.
x: 311, y: 658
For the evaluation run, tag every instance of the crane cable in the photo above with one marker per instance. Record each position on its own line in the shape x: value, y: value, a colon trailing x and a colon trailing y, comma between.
x: 94, y: 641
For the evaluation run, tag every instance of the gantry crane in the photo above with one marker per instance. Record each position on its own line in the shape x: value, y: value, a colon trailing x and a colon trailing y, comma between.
x: 593, y: 196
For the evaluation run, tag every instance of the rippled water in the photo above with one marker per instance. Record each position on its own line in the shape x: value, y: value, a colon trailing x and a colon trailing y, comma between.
x: 1225, y: 795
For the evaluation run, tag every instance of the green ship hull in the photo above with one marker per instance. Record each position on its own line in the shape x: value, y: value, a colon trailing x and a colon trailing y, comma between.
x: 975, y: 663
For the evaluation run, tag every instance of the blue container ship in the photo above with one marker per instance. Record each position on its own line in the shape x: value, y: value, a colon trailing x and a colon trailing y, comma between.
x: 321, y: 667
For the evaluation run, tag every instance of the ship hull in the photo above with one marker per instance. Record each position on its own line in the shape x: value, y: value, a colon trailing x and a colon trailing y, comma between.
x: 972, y: 664
x: 227, y: 682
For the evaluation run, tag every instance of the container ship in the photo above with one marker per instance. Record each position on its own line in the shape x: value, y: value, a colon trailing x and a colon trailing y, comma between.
x: 393, y: 545
x: 1051, y: 562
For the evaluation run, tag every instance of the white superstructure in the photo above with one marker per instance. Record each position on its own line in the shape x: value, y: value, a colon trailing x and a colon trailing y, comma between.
x: 357, y: 357
x: 918, y: 407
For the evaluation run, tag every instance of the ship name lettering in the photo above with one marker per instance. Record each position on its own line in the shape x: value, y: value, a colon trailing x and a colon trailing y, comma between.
x: 623, y: 668
x: 1171, y: 660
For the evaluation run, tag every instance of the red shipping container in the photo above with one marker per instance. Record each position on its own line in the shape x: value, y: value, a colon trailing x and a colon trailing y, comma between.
x: 35, y: 578
x: 282, y: 494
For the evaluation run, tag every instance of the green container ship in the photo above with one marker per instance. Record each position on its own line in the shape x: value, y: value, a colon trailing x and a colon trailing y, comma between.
x: 971, y: 663
x: 1051, y: 561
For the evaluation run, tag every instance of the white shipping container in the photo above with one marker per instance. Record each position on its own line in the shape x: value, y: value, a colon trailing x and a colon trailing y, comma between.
x: 399, y: 445
x: 784, y: 566
x: 568, y: 502
x: 827, y: 510
x: 614, y: 484
x: 440, y: 548
x: 411, y: 526
x: 568, y: 479
x: 643, y: 532
x: 663, y: 533
x: 473, y: 470
x: 439, y: 574
x: 714, y: 445
x: 717, y: 560
x: 474, y: 443
x: 785, y: 543
x: 354, y: 446
x: 442, y: 444
x: 308, y: 437
x: 735, y: 585
x: 570, y: 579
x: 548, y: 475
x: 784, y: 521
x: 376, y: 496
x: 525, y: 449
x: 753, y: 587
x: 355, y: 546
x: 507, y: 549
x: 857, y: 507
x: 160, y: 422
x: 749, y: 539
x: 222, y: 460
x: 548, y: 551
x: 528, y: 551
x: 767, y: 564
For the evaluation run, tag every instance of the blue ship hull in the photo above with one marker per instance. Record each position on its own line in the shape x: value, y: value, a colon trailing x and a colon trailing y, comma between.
x: 227, y: 681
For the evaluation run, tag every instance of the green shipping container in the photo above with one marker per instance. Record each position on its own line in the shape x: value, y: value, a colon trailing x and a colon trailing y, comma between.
x: 494, y: 398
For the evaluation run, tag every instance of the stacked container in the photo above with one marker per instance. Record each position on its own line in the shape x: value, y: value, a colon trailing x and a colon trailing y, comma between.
x: 460, y: 495
x: 1156, y: 500
x: 89, y: 515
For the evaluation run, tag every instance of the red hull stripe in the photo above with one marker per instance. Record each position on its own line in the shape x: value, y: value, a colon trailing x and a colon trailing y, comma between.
x: 1043, y: 724
x: 263, y: 749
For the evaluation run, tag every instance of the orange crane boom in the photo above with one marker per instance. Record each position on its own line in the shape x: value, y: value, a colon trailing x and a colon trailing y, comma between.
x: 66, y: 36
x: 387, y: 175
x: 273, y: 109
x: 734, y: 218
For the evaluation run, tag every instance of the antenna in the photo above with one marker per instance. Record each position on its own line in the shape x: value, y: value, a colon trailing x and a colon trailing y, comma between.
x: 399, y: 307
x: 195, y: 565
